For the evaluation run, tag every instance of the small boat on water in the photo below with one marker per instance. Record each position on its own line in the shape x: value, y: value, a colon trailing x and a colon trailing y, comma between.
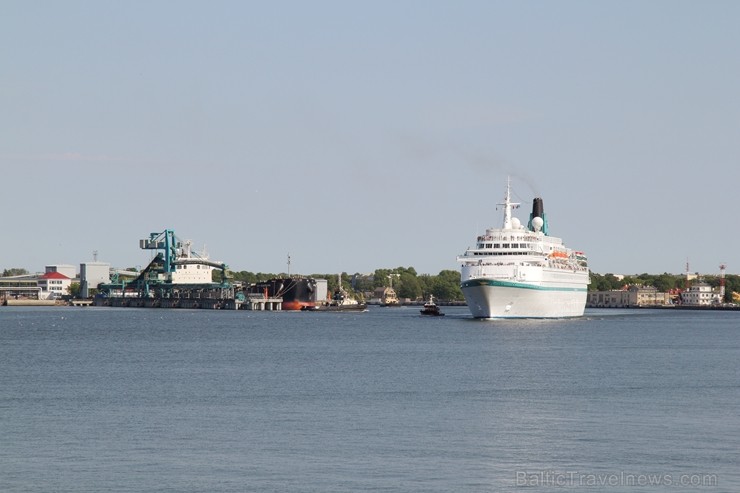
x: 389, y: 297
x: 431, y: 308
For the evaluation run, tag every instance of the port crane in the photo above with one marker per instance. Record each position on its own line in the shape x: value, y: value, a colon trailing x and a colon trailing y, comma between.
x: 162, y: 277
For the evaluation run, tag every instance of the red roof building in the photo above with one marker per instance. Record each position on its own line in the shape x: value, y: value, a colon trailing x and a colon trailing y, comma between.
x: 53, y: 275
x: 53, y: 285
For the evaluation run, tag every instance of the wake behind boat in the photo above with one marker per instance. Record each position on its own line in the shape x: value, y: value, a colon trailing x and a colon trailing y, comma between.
x: 523, y: 272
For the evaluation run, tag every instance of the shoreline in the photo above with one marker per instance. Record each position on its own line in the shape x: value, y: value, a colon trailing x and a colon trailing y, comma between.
x: 671, y: 307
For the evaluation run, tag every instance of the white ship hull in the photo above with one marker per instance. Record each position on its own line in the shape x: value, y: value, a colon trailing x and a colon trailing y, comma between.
x: 489, y: 298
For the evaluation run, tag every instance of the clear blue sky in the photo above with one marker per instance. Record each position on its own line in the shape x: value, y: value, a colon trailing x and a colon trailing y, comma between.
x: 363, y: 135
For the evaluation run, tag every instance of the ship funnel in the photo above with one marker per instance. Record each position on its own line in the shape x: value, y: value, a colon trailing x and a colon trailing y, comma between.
x: 538, y: 207
x: 538, y: 210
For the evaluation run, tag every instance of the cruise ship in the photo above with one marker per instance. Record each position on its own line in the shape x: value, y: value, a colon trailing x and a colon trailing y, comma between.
x: 519, y: 271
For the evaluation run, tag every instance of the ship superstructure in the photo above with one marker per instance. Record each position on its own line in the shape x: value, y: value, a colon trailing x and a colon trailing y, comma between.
x: 519, y: 271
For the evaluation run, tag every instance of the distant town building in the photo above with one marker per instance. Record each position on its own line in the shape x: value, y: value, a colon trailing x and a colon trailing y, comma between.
x: 632, y: 296
x: 53, y: 285
x: 648, y: 296
x: 616, y: 298
x: 19, y: 287
x: 67, y: 270
x: 700, y: 293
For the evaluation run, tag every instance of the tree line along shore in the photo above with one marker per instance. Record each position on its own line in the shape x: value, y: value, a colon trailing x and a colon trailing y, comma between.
x: 445, y: 286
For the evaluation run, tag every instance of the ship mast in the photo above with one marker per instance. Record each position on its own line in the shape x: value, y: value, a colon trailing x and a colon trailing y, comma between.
x: 508, y: 204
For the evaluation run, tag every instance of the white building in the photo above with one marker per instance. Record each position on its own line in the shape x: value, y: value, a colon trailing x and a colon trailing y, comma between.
x: 53, y: 285
x: 92, y: 274
x: 67, y: 270
x: 699, y: 293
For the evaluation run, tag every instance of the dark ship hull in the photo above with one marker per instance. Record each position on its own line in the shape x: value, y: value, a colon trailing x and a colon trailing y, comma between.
x: 298, y: 293
x: 432, y: 311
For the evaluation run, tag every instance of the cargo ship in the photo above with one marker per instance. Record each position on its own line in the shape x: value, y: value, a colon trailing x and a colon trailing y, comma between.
x: 298, y: 293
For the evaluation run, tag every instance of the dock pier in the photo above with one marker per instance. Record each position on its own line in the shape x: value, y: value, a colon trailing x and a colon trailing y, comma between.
x: 257, y: 304
x: 80, y: 302
x: 262, y: 303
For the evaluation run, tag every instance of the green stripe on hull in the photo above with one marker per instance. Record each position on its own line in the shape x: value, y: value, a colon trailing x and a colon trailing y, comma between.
x: 472, y: 283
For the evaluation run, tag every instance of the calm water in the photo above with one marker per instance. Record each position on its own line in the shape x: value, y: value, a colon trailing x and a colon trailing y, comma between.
x: 103, y: 399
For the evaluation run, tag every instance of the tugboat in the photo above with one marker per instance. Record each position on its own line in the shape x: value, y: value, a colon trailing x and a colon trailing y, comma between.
x: 390, y: 298
x: 431, y: 308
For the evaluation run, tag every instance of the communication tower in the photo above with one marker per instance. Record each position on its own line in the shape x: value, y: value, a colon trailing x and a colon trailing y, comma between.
x: 689, y: 275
